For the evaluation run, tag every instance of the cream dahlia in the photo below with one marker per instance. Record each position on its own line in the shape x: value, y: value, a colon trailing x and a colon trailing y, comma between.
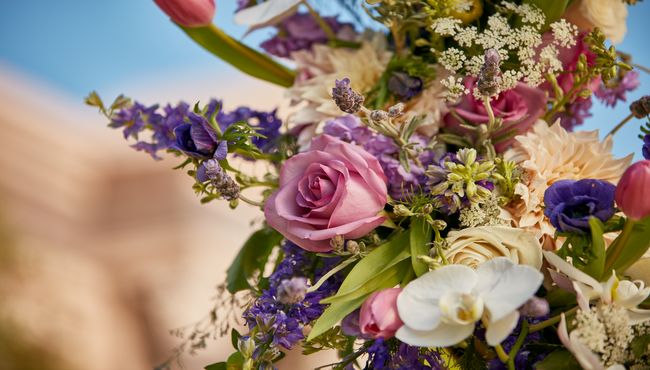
x: 550, y: 153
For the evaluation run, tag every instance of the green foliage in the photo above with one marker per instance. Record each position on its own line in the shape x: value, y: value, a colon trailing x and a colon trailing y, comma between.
x: 240, y: 56
x: 251, y: 259
x: 331, y: 339
x: 217, y: 366
x: 635, y: 245
x: 596, y: 264
x: 94, y: 100
x: 379, y: 96
x: 420, y: 236
x: 471, y: 359
x: 553, y: 9
x: 558, y: 360
x: 640, y: 346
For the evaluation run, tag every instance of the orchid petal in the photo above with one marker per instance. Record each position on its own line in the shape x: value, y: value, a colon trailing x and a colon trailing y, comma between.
x: 505, y: 286
x: 583, y: 302
x: 444, y: 335
x: 572, y: 272
x: 499, y: 330
x: 418, y: 303
x: 638, y: 316
x: 585, y: 357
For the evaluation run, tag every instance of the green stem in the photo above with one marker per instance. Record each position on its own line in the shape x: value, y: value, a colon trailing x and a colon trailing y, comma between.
x: 501, y: 353
x: 240, y: 56
x: 619, y: 245
x: 321, y: 22
x: 643, y: 68
x: 621, y: 124
x: 250, y: 201
x: 490, y: 112
x: 517, y: 346
x: 551, y: 321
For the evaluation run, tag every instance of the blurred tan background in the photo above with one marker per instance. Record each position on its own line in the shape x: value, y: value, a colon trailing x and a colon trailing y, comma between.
x: 104, y: 250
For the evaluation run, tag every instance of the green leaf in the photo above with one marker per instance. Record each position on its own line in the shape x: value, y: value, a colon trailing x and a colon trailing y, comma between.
x: 596, y: 265
x: 388, y: 278
x: 345, y: 304
x: 553, y: 9
x: 94, y: 100
x: 558, y: 360
x: 235, y: 362
x: 217, y: 366
x: 380, y: 259
x: 640, y: 345
x: 240, y: 56
x: 420, y: 236
x: 234, y: 337
x: 635, y: 247
x: 251, y: 258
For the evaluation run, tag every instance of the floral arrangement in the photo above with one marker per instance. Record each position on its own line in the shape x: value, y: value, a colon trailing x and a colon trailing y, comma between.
x: 429, y: 203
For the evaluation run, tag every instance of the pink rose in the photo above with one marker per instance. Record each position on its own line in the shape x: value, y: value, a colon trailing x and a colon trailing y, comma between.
x: 333, y: 189
x: 519, y: 108
x: 569, y: 58
x: 379, y: 317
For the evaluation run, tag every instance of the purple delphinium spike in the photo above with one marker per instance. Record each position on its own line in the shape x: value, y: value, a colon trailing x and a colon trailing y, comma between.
x: 612, y: 95
x: 646, y: 146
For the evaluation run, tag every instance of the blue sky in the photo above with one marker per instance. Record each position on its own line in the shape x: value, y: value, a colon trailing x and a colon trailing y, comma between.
x: 82, y: 45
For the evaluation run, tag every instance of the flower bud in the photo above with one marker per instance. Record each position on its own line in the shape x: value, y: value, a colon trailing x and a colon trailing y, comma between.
x: 641, y: 108
x: 535, y: 307
x: 353, y: 247
x: 188, y: 13
x: 402, y: 211
x: 631, y: 191
x: 337, y: 243
x: 348, y: 100
x: 379, y: 317
x: 292, y: 291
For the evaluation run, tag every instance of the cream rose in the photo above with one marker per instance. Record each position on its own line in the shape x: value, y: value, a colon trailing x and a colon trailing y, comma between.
x: 475, y: 245
x: 608, y: 15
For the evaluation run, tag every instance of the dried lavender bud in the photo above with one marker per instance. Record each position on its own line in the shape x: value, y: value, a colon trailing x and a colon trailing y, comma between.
x: 487, y: 83
x: 348, y: 100
x: 225, y: 185
x: 535, y: 307
x: 396, y: 110
x: 291, y: 291
x: 641, y: 108
x: 353, y: 247
x: 379, y: 116
x: 337, y: 243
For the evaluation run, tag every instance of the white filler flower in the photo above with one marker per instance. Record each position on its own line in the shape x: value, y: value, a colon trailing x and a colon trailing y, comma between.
x: 441, y: 308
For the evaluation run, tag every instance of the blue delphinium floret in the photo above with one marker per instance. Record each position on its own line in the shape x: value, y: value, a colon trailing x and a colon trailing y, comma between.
x: 570, y: 203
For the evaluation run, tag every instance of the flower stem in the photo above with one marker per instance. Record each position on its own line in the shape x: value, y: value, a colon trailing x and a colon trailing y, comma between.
x: 621, y: 124
x: 321, y: 22
x: 501, y: 353
x: 619, y: 245
x: 250, y: 201
x: 551, y: 321
x: 488, y: 108
x: 523, y: 333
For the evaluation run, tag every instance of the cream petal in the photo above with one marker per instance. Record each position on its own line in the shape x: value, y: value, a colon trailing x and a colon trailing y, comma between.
x: 505, y: 286
x: 444, y: 335
x: 638, y: 316
x: 572, y: 272
x: 499, y: 330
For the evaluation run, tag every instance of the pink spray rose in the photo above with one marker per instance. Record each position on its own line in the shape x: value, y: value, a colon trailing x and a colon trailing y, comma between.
x: 519, y: 108
x: 379, y: 317
x: 632, y: 191
x: 188, y: 13
x: 335, y: 188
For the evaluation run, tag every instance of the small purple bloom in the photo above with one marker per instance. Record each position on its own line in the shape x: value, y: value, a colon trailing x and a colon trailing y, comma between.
x: 300, y: 31
x: 197, y: 138
x: 646, y: 146
x: 350, y: 324
x: 403, y: 86
x: 575, y: 113
x: 570, y: 204
x: 378, y: 354
x: 348, y: 128
x: 266, y: 123
x: 611, y: 95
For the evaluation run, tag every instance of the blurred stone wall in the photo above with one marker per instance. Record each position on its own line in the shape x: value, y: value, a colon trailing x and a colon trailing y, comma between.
x: 103, y: 250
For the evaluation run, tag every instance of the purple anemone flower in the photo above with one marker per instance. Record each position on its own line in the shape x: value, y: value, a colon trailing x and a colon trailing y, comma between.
x: 570, y: 204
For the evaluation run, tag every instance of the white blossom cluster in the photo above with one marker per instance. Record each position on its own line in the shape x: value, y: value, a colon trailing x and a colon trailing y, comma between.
x: 530, y: 57
x: 606, y: 330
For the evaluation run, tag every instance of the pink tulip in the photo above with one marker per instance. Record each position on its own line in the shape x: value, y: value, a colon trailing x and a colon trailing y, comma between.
x: 379, y: 317
x: 633, y: 191
x: 188, y: 13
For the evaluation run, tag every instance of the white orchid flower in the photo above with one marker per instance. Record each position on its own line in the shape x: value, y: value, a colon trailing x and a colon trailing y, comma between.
x: 441, y: 308
x: 587, y: 359
x: 625, y: 293
x: 267, y: 13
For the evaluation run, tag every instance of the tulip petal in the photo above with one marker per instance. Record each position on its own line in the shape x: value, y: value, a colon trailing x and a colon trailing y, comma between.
x: 499, y: 330
x: 266, y: 13
x: 505, y: 286
x: 444, y: 335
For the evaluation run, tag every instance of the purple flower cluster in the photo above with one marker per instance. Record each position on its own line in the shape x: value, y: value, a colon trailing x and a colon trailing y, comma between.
x: 575, y: 113
x: 404, y: 86
x: 646, y: 146
x: 400, y: 182
x: 525, y: 358
x: 404, y: 357
x: 570, y: 204
x: 177, y: 127
x: 300, y: 31
x: 611, y: 95
x: 137, y: 118
x: 283, y: 322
